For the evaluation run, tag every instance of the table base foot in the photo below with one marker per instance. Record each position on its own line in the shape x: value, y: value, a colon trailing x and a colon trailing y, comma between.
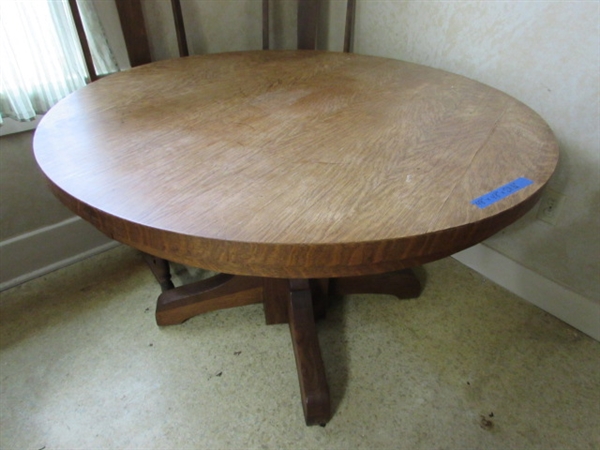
x: 309, y: 362
x: 219, y: 292
x: 401, y: 283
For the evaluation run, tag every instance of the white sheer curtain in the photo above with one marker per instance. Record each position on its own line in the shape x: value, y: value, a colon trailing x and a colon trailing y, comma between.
x: 40, y: 57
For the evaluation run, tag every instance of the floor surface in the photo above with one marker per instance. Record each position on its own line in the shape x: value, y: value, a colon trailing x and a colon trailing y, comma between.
x: 465, y: 366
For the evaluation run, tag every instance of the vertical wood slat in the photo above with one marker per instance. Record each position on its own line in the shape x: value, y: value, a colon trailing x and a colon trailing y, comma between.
x: 83, y: 42
x: 308, y: 13
x: 134, y: 31
x: 179, y: 28
x: 265, y: 24
x: 349, y: 28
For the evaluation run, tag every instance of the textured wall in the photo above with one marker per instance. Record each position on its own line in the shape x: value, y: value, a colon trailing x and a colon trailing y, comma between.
x: 544, y: 53
x: 25, y: 202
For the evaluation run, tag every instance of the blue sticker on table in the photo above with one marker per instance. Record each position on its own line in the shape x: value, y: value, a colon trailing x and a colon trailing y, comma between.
x: 503, y: 191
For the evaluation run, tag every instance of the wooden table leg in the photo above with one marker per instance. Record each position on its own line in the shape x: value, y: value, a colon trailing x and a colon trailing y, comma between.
x: 161, y: 271
x: 275, y: 300
x: 219, y: 292
x: 311, y: 370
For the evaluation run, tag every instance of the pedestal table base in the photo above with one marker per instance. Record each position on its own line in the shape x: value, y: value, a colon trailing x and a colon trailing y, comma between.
x: 297, y: 302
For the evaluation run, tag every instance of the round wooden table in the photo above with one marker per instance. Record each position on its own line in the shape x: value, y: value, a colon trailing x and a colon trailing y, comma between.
x: 296, y: 175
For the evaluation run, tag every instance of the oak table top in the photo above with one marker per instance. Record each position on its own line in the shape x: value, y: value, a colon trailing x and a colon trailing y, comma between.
x: 297, y: 175
x: 293, y: 163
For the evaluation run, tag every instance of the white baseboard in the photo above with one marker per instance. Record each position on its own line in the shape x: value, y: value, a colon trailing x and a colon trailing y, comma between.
x: 572, y: 308
x: 39, y: 252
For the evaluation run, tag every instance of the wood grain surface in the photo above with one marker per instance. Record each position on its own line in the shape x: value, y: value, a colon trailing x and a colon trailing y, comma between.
x: 293, y: 164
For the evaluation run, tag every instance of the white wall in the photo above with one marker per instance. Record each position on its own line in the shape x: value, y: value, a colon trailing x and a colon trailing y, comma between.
x: 546, y: 54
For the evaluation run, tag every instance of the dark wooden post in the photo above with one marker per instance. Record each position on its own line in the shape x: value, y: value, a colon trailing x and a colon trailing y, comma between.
x: 308, y: 15
x: 134, y: 31
x: 349, y: 28
x: 179, y: 28
x: 85, y: 47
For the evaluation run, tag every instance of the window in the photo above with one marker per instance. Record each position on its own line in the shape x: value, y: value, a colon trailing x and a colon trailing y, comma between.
x: 42, y: 59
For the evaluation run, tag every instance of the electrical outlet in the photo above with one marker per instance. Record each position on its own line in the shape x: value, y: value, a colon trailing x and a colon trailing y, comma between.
x: 550, y: 206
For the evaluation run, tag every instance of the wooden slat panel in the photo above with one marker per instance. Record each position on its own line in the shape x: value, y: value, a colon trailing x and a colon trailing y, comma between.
x: 179, y: 28
x: 308, y: 14
x: 348, y: 30
x: 265, y: 24
x: 85, y: 47
x: 134, y: 31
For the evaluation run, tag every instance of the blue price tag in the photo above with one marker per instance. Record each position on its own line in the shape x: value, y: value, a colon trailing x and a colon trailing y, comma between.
x: 503, y: 191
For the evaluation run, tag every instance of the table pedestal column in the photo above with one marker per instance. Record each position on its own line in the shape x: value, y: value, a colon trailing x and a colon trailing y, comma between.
x: 297, y: 302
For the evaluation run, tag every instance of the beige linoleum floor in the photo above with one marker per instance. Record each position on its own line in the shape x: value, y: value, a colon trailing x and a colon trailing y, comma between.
x: 465, y: 366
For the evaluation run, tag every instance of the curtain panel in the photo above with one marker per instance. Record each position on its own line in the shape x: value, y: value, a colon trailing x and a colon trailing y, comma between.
x: 41, y: 58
